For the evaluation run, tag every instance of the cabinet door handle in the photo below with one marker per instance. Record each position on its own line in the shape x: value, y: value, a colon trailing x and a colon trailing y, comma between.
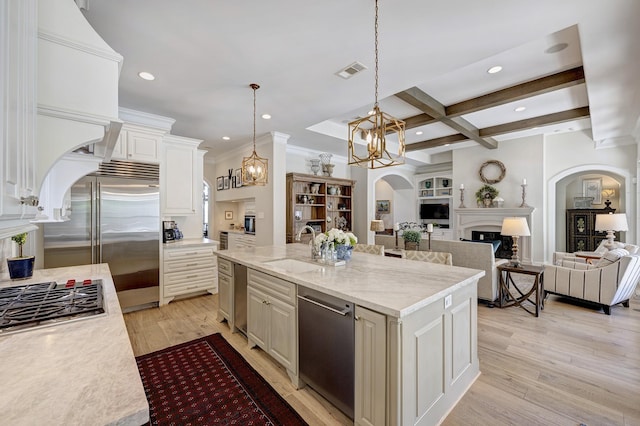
x: 191, y: 264
x: 192, y: 276
x: 192, y: 287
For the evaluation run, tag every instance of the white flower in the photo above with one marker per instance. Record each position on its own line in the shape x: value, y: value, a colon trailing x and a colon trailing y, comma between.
x: 336, y: 236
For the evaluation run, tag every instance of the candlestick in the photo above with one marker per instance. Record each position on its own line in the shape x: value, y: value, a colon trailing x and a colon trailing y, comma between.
x: 462, y: 186
x: 430, y: 227
x: 524, y: 194
x: 462, y: 206
x: 396, y: 232
x: 524, y: 181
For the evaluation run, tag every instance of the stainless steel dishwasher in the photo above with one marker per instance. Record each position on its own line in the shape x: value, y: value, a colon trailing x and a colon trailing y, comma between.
x: 326, y: 334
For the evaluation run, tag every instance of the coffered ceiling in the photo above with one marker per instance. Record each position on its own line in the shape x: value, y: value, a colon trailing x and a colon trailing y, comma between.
x: 571, y: 65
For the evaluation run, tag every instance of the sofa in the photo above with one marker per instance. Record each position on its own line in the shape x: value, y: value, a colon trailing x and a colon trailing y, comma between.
x: 607, y: 282
x: 466, y: 254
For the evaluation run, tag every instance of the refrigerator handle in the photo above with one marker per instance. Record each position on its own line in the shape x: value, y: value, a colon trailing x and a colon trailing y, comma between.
x: 91, y: 224
x: 98, y: 222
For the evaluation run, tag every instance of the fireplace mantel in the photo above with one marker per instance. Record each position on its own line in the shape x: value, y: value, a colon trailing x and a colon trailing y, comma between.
x: 490, y: 219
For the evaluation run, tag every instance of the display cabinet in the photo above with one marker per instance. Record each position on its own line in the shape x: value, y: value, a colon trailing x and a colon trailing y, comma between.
x: 320, y: 202
x: 434, y: 195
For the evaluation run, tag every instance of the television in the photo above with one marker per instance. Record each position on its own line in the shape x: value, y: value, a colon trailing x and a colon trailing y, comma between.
x: 434, y: 211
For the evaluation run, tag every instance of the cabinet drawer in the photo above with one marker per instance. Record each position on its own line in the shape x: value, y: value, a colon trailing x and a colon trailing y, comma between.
x: 187, y: 253
x: 189, y: 264
x: 283, y: 290
x: 225, y: 266
x: 179, y: 278
x: 190, y: 287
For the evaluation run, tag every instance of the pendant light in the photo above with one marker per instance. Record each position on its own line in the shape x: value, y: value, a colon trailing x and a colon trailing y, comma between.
x: 375, y: 128
x: 255, y: 169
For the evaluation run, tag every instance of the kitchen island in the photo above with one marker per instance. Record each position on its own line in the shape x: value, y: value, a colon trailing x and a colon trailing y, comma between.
x: 75, y: 372
x: 415, y: 326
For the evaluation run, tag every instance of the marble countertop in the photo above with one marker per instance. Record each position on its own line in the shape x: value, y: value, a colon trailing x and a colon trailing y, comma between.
x: 75, y: 372
x: 392, y: 286
x: 189, y: 242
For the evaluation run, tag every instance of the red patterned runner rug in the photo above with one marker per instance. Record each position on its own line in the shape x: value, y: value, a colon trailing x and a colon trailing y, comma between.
x: 206, y: 381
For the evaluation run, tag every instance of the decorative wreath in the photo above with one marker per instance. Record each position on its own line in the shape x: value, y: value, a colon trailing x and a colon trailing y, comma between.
x: 495, y: 163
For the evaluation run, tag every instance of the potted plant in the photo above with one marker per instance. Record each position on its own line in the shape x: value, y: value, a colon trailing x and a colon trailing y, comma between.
x: 22, y: 266
x: 485, y: 195
x: 411, y: 239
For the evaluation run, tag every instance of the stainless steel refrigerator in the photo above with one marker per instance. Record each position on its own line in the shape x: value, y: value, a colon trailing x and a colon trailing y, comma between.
x: 115, y: 219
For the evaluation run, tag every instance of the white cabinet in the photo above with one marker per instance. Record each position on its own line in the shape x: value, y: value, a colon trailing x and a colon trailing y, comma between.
x: 18, y: 46
x: 138, y: 144
x: 187, y: 270
x: 225, y: 291
x: 371, y: 367
x: 180, y: 176
x: 237, y: 240
x: 272, y: 319
x: 435, y: 197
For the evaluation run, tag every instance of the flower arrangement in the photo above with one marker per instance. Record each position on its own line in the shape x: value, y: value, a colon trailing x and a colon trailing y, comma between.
x: 487, y: 191
x: 412, y: 236
x: 337, y: 237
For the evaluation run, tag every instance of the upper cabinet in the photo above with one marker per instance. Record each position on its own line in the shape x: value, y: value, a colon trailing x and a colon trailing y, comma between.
x: 18, y: 47
x: 180, y: 176
x: 137, y: 143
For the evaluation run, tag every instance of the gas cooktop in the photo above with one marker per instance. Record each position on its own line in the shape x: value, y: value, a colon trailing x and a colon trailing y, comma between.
x: 36, y: 305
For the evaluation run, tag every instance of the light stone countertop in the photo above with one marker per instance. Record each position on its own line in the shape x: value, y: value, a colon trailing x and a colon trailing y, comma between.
x: 190, y: 242
x: 392, y: 286
x: 77, y: 372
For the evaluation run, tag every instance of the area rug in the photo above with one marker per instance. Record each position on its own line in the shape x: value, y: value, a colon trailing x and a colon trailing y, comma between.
x: 206, y: 381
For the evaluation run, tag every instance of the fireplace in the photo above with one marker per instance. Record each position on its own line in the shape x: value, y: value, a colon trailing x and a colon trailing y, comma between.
x: 504, y: 251
x: 473, y: 222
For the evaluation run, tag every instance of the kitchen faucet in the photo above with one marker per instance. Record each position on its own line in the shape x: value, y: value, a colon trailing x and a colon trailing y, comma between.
x: 315, y: 252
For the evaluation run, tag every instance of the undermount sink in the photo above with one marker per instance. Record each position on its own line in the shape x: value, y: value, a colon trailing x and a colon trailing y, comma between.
x: 293, y: 265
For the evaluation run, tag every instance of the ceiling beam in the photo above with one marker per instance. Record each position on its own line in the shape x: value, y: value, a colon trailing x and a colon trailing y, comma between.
x: 430, y: 106
x: 518, y: 92
x: 543, y: 120
x: 433, y: 143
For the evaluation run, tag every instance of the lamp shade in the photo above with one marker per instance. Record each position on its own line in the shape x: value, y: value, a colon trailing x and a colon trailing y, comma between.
x: 515, y: 227
x: 377, y: 225
x: 611, y: 222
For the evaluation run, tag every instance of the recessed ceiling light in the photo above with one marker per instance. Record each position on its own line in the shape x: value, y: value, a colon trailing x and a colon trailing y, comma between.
x: 447, y: 144
x: 520, y: 109
x: 266, y: 116
x: 226, y: 138
x: 556, y: 48
x: 495, y: 69
x: 146, y: 76
x: 418, y: 132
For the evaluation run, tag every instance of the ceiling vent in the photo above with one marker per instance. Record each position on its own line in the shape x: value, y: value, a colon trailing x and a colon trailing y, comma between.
x: 351, y: 70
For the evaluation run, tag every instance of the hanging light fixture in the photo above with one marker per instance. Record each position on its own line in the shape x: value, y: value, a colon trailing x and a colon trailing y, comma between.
x: 375, y: 128
x: 255, y: 169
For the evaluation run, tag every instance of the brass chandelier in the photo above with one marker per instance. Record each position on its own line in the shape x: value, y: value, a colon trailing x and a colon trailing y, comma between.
x: 255, y: 169
x: 374, y: 128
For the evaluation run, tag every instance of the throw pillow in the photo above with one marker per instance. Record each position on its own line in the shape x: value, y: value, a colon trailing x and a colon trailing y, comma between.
x: 631, y: 248
x: 494, y: 243
x: 612, y: 256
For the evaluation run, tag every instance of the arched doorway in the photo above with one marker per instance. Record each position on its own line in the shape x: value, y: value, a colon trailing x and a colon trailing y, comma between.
x: 563, y: 187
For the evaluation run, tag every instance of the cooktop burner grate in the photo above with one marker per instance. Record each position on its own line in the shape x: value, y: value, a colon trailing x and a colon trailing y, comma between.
x: 32, y: 305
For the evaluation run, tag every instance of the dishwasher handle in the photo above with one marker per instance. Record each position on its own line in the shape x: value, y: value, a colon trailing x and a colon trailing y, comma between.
x: 343, y: 312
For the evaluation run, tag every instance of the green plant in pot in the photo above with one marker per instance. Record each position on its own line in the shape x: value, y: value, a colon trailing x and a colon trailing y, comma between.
x: 411, y: 239
x: 22, y: 266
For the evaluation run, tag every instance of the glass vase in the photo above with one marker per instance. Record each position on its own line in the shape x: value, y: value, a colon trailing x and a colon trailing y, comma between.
x: 344, y: 252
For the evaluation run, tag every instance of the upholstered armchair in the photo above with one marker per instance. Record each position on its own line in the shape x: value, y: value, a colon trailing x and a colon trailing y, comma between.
x: 559, y: 257
x: 369, y: 248
x: 610, y: 281
x: 429, y: 256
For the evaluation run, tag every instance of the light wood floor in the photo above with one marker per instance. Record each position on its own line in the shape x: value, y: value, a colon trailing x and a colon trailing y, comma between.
x: 571, y: 365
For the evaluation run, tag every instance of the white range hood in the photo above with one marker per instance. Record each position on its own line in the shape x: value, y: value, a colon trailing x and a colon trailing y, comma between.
x: 77, y: 102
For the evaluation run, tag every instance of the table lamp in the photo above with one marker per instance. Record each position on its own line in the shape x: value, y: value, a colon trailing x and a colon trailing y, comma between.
x: 611, y: 222
x: 377, y: 225
x: 515, y: 227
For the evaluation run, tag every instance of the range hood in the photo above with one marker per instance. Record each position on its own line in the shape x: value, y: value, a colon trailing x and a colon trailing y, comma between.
x: 77, y: 103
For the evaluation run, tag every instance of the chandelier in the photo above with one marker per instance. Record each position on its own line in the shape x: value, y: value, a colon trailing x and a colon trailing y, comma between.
x: 375, y: 128
x: 255, y: 169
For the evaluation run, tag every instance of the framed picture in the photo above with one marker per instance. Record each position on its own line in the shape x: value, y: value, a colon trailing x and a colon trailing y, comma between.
x: 238, y: 174
x: 220, y: 183
x: 226, y: 182
x: 383, y: 206
x: 233, y: 181
x: 592, y: 188
x: 228, y: 215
